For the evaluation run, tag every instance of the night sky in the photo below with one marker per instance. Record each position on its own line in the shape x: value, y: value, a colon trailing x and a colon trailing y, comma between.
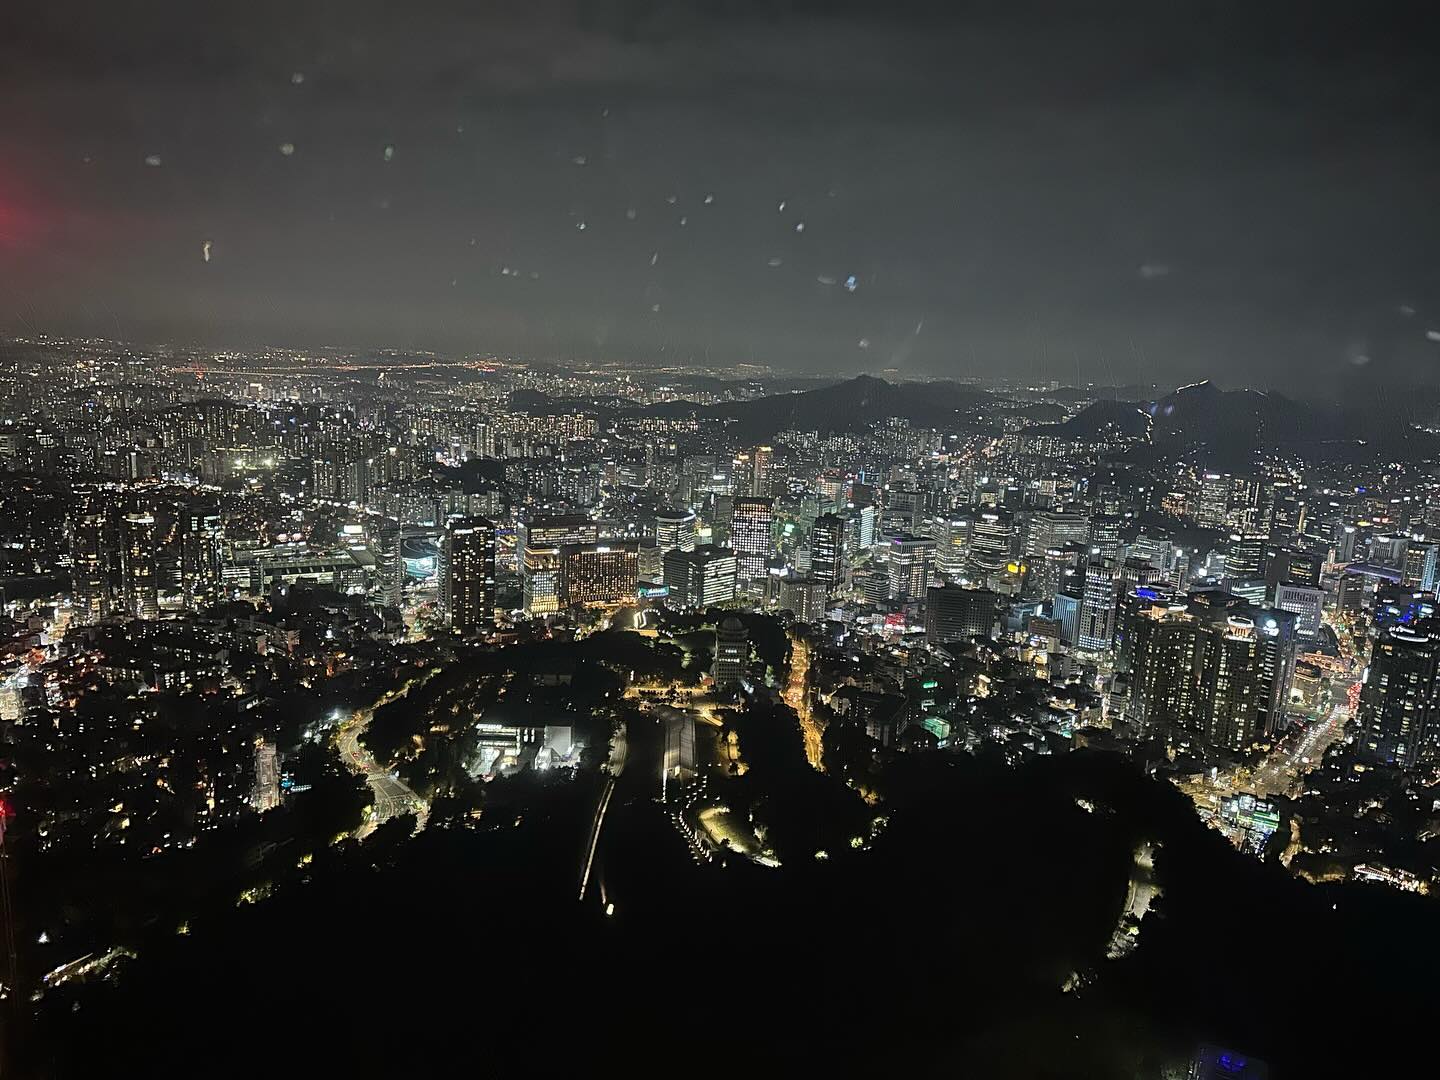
x: 1106, y: 191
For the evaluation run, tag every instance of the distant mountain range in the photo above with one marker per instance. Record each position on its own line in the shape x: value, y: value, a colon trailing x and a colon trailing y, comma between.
x: 847, y: 406
x: 1230, y: 424
x: 851, y: 405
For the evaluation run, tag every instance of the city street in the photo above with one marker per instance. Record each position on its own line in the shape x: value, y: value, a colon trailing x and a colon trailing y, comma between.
x: 391, y: 796
x: 1286, y: 766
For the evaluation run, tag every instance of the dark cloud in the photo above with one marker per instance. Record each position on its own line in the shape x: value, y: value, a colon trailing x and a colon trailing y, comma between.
x: 1120, y: 190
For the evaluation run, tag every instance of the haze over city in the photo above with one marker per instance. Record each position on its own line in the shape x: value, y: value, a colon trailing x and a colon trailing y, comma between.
x: 1126, y: 193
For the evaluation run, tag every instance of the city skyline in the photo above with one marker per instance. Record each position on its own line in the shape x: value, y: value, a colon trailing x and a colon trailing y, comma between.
x: 550, y: 535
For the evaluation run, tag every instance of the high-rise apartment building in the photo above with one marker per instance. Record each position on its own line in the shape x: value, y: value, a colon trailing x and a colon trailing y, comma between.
x: 468, y: 588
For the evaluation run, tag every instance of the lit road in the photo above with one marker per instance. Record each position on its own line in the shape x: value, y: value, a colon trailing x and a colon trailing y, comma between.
x: 392, y: 797
x: 795, y: 695
x: 1286, y: 766
x: 614, y: 767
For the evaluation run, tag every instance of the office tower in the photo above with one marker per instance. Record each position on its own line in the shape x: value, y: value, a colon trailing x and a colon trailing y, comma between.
x: 762, y: 463
x: 1249, y: 506
x: 1105, y: 536
x: 1388, y: 550
x: 1047, y: 574
x: 1274, y: 647
x: 1054, y: 529
x: 902, y: 508
x: 1287, y: 565
x: 1154, y: 548
x: 1214, y: 500
x: 651, y: 561
x: 1245, y: 558
x: 732, y: 652
x: 954, y: 613
x: 700, y: 578
x: 675, y: 528
x: 804, y: 597
x: 912, y: 561
x: 1306, y: 603
x: 91, y: 557
x: 542, y: 539
x: 199, y: 539
x: 1397, y: 715
x: 1065, y: 610
x: 1421, y: 568
x: 992, y: 535
x: 469, y: 579
x: 138, y: 579
x: 952, y: 545
x: 599, y: 573
x: 827, y: 552
x: 1097, y: 609
x: 867, y: 528
x: 1346, y: 539
x: 751, y: 524
x: 389, y: 567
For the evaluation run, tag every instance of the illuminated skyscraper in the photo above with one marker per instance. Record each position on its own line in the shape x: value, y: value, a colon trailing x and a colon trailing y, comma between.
x: 1399, y: 699
x: 1054, y: 529
x: 827, y: 552
x: 954, y: 613
x: 992, y: 538
x: 599, y: 573
x: 139, y: 587
x: 389, y: 568
x: 90, y: 530
x: 700, y: 578
x: 1097, y: 607
x: 952, y: 545
x: 675, y: 529
x: 912, y: 562
x: 762, y: 464
x: 751, y: 524
x: 542, y: 538
x: 469, y: 581
x: 732, y: 651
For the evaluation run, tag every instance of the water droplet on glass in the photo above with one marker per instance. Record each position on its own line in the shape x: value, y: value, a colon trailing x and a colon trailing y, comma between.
x: 864, y: 343
x: 655, y: 308
x: 630, y: 214
x: 152, y: 160
x: 296, y: 78
x: 580, y: 225
x: 287, y: 148
x: 205, y: 250
x: 799, y: 226
x: 1432, y: 335
x: 851, y: 284
x: 389, y: 153
x: 683, y: 219
x: 654, y: 257
x: 672, y: 199
x: 579, y: 159
x: 774, y: 261
x: 781, y: 207
x: 709, y: 199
